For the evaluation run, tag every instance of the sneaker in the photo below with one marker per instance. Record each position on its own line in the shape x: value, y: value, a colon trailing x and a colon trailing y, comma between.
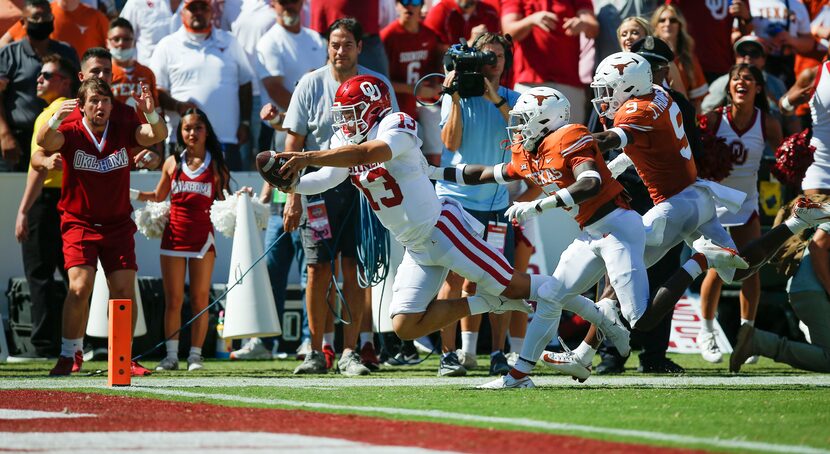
x: 63, y: 368
x: 752, y: 359
x: 708, y: 344
x: 500, y: 304
x: 612, y: 328
x: 403, y: 359
x: 813, y: 213
x: 168, y: 363
x: 368, y: 357
x: 449, y: 366
x: 78, y: 361
x: 349, y: 365
x: 507, y: 381
x: 195, y: 362
x: 253, y: 349
x: 719, y: 257
x: 660, y: 366
x: 498, y: 364
x: 610, y: 365
x: 743, y: 348
x: 304, y: 349
x: 566, y: 363
x: 512, y: 357
x: 314, y: 363
x: 469, y: 362
x: 137, y: 370
x: 328, y: 352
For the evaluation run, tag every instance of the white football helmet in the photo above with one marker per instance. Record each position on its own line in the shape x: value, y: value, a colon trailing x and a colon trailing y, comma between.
x: 537, y: 112
x: 619, y: 77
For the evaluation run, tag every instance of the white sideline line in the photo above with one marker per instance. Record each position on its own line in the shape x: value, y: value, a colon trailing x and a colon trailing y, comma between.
x: 521, y: 422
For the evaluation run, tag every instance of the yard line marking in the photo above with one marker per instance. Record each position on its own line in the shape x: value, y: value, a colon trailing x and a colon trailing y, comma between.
x: 8, y: 413
x: 520, y: 422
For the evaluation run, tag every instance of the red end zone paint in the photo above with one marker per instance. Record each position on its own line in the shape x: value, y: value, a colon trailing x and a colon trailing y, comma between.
x: 119, y: 413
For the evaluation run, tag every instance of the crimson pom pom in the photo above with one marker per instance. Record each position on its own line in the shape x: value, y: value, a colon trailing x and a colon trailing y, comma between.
x: 793, y: 157
x: 715, y: 163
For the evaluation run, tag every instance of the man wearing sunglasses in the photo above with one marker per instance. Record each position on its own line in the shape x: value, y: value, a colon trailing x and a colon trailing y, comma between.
x: 749, y: 49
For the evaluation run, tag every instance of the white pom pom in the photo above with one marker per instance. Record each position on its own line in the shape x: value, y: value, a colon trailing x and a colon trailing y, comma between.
x: 261, y: 213
x: 152, y: 219
x: 223, y: 214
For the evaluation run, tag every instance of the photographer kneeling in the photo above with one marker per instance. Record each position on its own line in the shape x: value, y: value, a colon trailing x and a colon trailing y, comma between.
x: 472, y: 131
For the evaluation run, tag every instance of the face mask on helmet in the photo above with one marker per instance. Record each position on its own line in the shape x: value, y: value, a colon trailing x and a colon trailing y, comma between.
x: 517, y: 128
x: 603, y: 101
x: 350, y: 121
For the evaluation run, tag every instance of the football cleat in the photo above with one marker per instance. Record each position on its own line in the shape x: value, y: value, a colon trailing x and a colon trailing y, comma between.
x: 719, y: 256
x: 566, y: 364
x: 708, y: 344
x: 508, y: 382
x: 813, y: 213
x: 612, y: 328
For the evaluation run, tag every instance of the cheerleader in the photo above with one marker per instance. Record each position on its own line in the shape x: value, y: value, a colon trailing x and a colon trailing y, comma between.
x: 193, y: 178
x: 746, y: 125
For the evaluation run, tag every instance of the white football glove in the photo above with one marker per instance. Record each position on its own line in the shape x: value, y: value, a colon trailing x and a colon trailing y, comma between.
x: 618, y: 165
x: 523, y: 211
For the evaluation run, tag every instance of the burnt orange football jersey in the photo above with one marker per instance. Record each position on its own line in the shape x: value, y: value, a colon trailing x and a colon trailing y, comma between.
x: 552, y: 167
x: 657, y: 144
x: 125, y: 82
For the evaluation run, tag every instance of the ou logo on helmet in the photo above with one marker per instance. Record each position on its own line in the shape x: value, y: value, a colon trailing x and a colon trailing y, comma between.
x: 370, y: 90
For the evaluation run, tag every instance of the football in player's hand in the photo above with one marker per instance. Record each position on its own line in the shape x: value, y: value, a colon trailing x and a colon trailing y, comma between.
x: 269, y: 166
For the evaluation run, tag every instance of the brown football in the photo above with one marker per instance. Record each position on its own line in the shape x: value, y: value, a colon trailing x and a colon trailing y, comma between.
x: 269, y: 166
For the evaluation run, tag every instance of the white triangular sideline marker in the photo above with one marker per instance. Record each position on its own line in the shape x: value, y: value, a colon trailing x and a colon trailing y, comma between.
x: 250, y: 310
x: 98, y: 323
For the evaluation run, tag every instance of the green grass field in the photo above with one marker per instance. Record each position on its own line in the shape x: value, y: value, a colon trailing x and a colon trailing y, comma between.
x: 770, y: 404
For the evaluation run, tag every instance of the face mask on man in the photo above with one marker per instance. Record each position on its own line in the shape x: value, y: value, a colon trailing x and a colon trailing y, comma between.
x: 39, y: 31
x: 123, y: 54
x: 290, y: 20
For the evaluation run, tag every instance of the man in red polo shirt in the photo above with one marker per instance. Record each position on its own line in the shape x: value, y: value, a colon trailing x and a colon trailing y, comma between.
x: 93, y: 151
x: 452, y: 20
x: 546, y: 33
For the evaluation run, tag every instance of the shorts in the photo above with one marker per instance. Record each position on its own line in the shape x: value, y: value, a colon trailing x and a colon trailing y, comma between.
x: 84, y: 244
x: 452, y: 245
x: 343, y: 210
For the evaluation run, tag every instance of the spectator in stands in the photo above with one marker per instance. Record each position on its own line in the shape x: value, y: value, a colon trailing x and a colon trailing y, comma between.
x: 806, y: 261
x: 668, y: 24
x: 413, y: 53
x: 283, y: 55
x: 76, y: 24
x: 207, y: 67
x: 711, y: 26
x: 20, y: 63
x: 193, y: 178
x: 325, y: 12
x: 548, y: 45
x: 37, y: 227
x: 151, y: 21
x: 749, y: 49
x: 473, y: 130
x: 309, y: 121
x: 611, y: 14
x: 784, y: 25
x: 127, y: 73
x: 452, y: 20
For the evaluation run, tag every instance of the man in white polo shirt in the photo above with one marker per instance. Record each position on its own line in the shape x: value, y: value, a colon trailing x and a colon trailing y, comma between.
x: 207, y: 66
x: 152, y: 21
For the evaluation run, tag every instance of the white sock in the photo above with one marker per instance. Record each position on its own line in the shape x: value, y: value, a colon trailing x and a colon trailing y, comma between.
x: 693, y: 268
x: 477, y: 305
x: 585, y: 353
x: 583, y: 307
x: 796, y: 224
x: 172, y: 347
x: 366, y: 337
x: 328, y: 339
x: 469, y: 341
x: 747, y: 322
x: 70, y: 346
x: 524, y: 366
x: 539, y: 332
x: 516, y: 344
x: 708, y: 325
x: 195, y: 351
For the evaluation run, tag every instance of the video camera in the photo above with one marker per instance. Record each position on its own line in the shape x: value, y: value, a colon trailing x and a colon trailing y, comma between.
x: 466, y: 61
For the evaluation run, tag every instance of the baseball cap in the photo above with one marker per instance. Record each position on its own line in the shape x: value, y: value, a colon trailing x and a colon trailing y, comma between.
x: 750, y: 40
x: 653, y: 49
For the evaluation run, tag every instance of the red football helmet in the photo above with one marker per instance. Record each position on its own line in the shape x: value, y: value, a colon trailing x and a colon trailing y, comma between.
x: 359, y: 104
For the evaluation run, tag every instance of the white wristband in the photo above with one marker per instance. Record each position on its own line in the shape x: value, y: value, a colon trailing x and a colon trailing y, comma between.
x: 786, y: 106
x: 152, y: 117
x: 54, y: 122
x: 498, y: 173
x: 589, y: 174
x: 436, y: 173
x: 566, y: 197
x: 134, y: 194
x: 459, y: 174
x: 622, y: 135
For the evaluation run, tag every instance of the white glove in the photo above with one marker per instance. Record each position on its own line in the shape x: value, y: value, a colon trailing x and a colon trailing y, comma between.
x: 618, y: 165
x: 523, y: 211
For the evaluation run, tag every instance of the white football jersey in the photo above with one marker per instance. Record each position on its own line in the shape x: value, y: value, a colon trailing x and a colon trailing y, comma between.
x: 398, y: 190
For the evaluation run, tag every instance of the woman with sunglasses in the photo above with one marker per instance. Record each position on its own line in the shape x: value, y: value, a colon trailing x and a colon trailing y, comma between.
x: 669, y: 25
x: 747, y: 127
x: 193, y: 179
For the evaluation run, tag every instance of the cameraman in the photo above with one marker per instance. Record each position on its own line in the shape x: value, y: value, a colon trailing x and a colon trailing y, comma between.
x: 472, y: 130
